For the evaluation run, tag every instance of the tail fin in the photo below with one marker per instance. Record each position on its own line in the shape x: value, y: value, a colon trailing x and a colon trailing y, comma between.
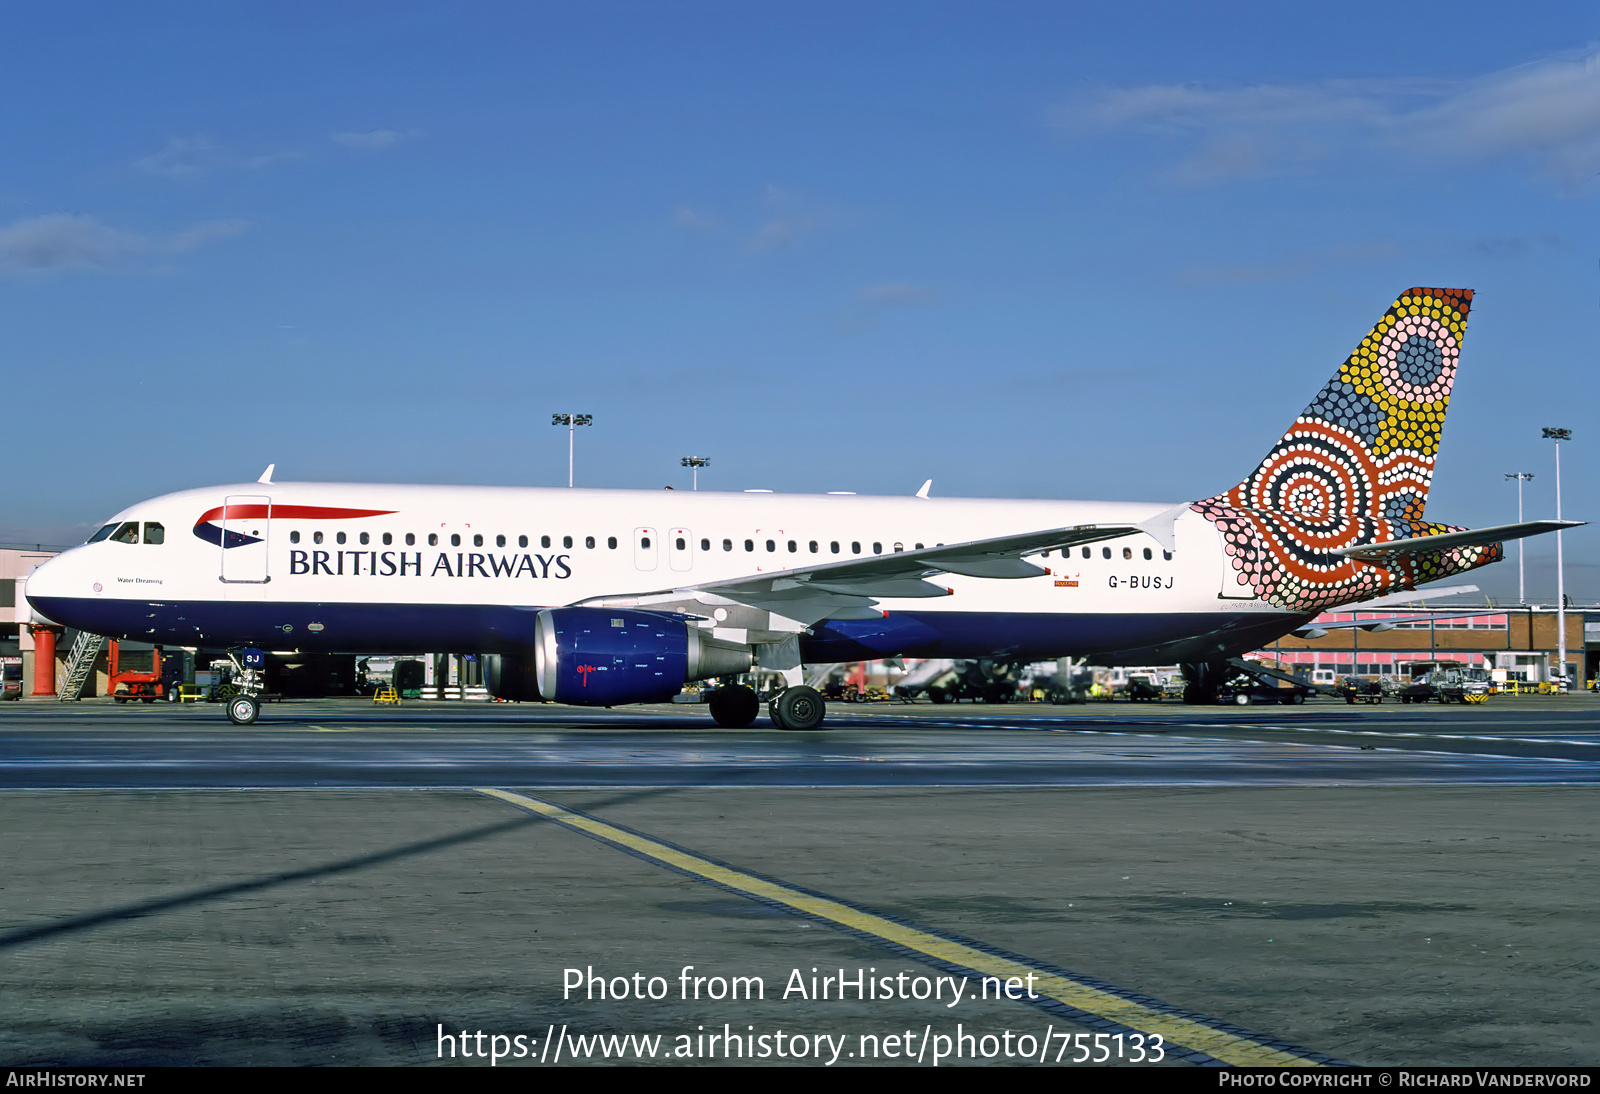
x: 1355, y: 467
x: 1366, y: 444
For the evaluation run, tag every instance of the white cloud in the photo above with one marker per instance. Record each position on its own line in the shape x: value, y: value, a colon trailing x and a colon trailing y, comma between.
x: 193, y: 157
x: 869, y: 303
x: 1547, y: 113
x: 793, y: 220
x: 73, y: 241
x: 375, y: 140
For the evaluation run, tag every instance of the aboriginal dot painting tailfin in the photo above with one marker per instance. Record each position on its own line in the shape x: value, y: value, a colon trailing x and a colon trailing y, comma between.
x: 1365, y: 446
x: 1354, y: 468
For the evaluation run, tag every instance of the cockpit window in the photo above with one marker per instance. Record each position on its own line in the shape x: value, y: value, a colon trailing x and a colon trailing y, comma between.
x: 127, y: 533
x: 154, y: 533
x: 102, y: 533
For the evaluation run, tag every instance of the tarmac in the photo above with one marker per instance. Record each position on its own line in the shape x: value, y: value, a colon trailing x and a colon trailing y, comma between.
x: 1407, y: 903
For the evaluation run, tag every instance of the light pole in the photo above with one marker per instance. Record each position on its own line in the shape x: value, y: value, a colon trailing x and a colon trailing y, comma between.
x: 697, y: 462
x: 571, y: 421
x: 1522, y: 591
x: 1559, y: 435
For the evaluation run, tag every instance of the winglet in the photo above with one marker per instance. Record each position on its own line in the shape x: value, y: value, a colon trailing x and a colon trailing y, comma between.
x: 1163, y: 526
x: 266, y: 476
x: 923, y: 493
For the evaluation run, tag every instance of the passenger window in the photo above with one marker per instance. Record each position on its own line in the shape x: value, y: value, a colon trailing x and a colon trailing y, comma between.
x: 433, y: 539
x: 919, y: 546
x: 898, y: 547
x: 855, y: 547
x: 792, y: 546
x: 1086, y: 552
x: 411, y: 539
x: 522, y: 541
x: 1127, y: 552
x: 499, y: 541
x: 455, y: 539
x: 1147, y: 554
x: 1105, y: 552
x: 727, y: 545
x: 316, y: 537
x: 705, y: 545
x: 877, y: 548
x: 388, y: 539
x: 771, y: 546
x: 611, y: 542
x: 340, y: 538
x: 834, y: 546
x: 749, y: 545
x: 294, y: 537
x: 365, y: 539
x: 566, y: 541
x: 813, y: 546
x: 154, y: 533
x: 644, y: 542
x: 544, y: 541
x: 680, y: 544
x: 588, y: 541
x: 477, y: 540
x: 1167, y: 555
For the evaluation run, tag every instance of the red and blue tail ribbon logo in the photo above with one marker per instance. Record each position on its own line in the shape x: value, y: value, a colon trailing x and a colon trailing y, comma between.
x: 209, y: 526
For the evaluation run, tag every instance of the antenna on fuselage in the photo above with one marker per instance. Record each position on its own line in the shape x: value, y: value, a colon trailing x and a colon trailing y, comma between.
x: 923, y: 493
x: 266, y: 476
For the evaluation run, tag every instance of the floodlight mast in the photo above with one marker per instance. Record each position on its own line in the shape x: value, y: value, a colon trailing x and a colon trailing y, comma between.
x: 571, y: 421
x: 1559, y: 435
x: 697, y: 462
x: 1522, y: 587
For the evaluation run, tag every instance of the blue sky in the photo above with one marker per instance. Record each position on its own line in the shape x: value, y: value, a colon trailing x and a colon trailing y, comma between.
x: 1043, y: 250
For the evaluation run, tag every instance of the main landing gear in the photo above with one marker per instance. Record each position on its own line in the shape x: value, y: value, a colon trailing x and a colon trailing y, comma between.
x: 1202, y: 682
x: 798, y: 707
x: 734, y: 707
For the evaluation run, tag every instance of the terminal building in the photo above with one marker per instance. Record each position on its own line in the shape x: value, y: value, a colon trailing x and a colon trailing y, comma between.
x: 1519, y: 640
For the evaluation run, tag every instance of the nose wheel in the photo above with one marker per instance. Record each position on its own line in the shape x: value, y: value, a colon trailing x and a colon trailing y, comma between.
x: 243, y: 710
x: 799, y: 707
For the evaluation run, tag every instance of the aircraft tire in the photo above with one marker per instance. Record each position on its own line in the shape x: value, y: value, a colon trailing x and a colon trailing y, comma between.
x: 1243, y: 699
x: 243, y: 710
x: 797, y: 708
x: 735, y: 707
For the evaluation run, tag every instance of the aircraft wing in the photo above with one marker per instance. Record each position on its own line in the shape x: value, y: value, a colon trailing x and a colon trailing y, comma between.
x: 1476, y: 537
x: 846, y: 589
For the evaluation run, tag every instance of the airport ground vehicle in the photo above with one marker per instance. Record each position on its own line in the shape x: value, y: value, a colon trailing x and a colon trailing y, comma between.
x: 604, y: 598
x: 1357, y: 690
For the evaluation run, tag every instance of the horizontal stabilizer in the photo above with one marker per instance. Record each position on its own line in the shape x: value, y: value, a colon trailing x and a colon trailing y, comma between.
x: 1444, y: 541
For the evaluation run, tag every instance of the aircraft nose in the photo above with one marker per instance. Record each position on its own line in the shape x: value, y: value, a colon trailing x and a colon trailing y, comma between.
x: 51, y: 583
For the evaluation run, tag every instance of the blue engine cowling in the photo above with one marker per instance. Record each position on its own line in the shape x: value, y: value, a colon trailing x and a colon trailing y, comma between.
x: 603, y: 657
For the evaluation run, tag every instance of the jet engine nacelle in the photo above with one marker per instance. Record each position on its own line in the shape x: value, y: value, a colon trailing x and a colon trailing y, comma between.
x: 603, y: 657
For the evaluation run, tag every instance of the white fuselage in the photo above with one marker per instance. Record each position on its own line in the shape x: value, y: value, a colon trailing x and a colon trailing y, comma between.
x: 364, y: 568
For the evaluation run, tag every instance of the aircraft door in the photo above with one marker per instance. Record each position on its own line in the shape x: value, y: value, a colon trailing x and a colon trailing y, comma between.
x: 246, y: 522
x: 644, y: 548
x: 680, y: 549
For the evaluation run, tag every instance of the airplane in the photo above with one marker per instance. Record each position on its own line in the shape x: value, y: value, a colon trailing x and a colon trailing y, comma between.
x: 612, y: 597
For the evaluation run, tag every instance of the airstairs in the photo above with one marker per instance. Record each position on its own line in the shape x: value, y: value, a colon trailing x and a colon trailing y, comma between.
x: 80, y: 663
